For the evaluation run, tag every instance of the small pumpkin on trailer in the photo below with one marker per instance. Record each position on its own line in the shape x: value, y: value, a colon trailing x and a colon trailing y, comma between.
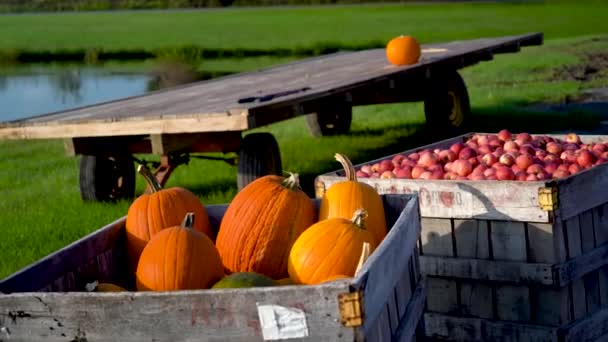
x: 343, y: 198
x: 243, y: 280
x: 261, y: 224
x: 150, y: 213
x: 179, y: 258
x: 403, y: 50
x: 329, y: 248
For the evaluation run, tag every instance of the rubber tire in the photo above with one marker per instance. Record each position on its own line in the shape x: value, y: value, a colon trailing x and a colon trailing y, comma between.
x: 446, y: 105
x: 259, y: 156
x: 107, y: 178
x: 333, y: 120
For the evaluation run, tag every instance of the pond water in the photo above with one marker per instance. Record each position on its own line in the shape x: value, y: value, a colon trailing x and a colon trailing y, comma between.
x: 33, y: 90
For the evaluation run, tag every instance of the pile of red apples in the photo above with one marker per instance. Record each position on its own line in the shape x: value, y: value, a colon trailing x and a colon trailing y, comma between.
x: 502, y: 156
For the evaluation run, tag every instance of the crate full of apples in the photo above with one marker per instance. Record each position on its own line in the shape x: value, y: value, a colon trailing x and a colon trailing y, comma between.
x: 502, y: 156
x: 502, y: 176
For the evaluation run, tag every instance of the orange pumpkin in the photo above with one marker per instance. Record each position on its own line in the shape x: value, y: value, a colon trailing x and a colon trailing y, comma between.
x: 162, y: 208
x: 403, y: 50
x: 261, y: 224
x: 328, y: 249
x: 343, y: 198
x: 179, y: 258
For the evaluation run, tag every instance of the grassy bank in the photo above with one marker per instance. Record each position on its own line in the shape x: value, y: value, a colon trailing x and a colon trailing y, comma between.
x: 41, y: 209
x: 304, y: 31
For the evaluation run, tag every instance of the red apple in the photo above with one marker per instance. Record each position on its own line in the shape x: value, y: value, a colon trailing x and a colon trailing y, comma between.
x: 527, y: 149
x: 585, y: 158
x: 428, y: 159
x: 495, y: 144
x: 376, y: 167
x: 523, y: 138
x: 387, y: 174
x: 472, y: 145
x: 489, y: 159
x: 474, y: 161
x: 521, y: 176
x: 491, y: 177
x: 408, y: 162
x: 398, y: 159
x: 403, y: 172
x: 550, y: 167
x: 489, y: 172
x: 476, y: 177
x: 426, y: 175
x: 510, y: 146
x: 367, y: 169
x: 504, y: 173
x: 386, y: 165
x: 457, y: 147
x: 516, y: 168
x: 437, y: 174
x: 599, y: 148
x: 447, y: 156
x: 560, y: 174
x: 535, y: 169
x: 467, y: 153
x: 504, y: 135
x: 554, y: 148
x: 374, y: 175
x: 448, y: 167
x: 479, y: 169
x: 361, y: 174
x: 523, y: 161
x: 507, y: 159
x: 574, y: 168
x: 417, y: 171
x: 450, y: 175
x: 568, y: 156
x: 484, y: 149
x: 531, y: 177
x: 462, y: 167
x: 414, y: 156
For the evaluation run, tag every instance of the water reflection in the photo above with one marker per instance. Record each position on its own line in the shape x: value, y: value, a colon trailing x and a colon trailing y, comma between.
x: 30, y: 91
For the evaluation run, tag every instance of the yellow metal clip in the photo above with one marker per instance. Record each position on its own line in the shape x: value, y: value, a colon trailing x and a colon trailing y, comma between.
x: 351, y: 309
x: 319, y: 188
x: 548, y: 198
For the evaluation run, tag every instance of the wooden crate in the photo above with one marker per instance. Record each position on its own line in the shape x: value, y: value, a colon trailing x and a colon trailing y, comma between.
x: 509, y: 260
x: 45, y: 301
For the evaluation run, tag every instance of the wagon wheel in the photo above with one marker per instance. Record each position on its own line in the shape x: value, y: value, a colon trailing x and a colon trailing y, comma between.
x: 259, y: 156
x: 331, y: 120
x: 446, y: 104
x: 107, y: 178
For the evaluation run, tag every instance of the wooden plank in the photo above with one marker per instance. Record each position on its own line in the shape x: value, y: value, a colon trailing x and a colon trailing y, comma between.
x: 381, y: 272
x: 509, y: 244
x: 194, y: 123
x: 488, y: 270
x: 476, y: 299
x: 230, y: 314
x: 600, y: 226
x: 436, y: 237
x: 582, y: 192
x: 380, y: 328
x: 590, y: 280
x: 572, y: 231
x: 550, y: 306
x: 473, y: 241
x: 404, y: 289
x: 442, y: 295
x: 413, y: 315
x: 195, y: 142
x: 487, y: 200
x: 476, y: 329
x: 101, y: 145
x: 592, y: 328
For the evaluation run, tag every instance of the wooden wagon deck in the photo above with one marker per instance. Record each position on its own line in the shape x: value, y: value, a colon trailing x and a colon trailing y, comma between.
x: 359, y: 78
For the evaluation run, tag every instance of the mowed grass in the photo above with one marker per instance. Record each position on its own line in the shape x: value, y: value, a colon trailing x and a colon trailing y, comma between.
x: 268, y: 28
x: 40, y: 206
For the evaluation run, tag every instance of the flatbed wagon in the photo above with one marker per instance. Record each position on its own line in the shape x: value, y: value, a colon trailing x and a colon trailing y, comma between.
x: 212, y: 116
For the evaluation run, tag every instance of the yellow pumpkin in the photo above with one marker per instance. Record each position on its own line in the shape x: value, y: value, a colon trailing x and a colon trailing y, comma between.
x: 343, y: 198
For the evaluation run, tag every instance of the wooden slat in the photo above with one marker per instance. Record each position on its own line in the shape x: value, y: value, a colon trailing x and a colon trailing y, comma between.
x: 600, y: 225
x: 381, y: 272
x: 592, y: 328
x: 572, y: 231
x: 488, y: 270
x: 442, y: 295
x: 216, y: 315
x: 591, y: 280
x: 413, y: 315
x: 582, y: 192
x: 476, y: 299
x: 323, y: 76
x: 476, y: 329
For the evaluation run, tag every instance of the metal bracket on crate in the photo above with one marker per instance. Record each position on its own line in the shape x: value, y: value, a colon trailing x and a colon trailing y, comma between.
x: 548, y: 198
x: 351, y: 308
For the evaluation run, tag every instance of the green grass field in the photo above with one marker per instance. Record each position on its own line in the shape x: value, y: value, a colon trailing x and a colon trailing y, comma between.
x: 41, y: 210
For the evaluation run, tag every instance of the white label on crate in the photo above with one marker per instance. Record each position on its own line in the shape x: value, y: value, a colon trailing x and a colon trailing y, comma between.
x: 280, y: 322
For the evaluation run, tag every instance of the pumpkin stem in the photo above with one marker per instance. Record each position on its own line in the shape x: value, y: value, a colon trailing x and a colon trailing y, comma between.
x: 149, y: 177
x: 359, y: 218
x: 364, y: 255
x: 349, y: 169
x: 188, y: 221
x: 292, y: 182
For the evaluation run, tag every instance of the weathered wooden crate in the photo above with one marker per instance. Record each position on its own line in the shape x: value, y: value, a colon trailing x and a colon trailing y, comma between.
x: 385, y: 301
x: 509, y: 260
